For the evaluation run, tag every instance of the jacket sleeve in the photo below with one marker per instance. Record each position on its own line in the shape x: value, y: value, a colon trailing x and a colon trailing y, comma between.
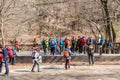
x: 70, y: 52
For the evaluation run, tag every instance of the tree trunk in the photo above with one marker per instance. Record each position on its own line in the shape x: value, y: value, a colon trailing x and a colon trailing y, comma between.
x: 109, y: 27
x: 2, y: 34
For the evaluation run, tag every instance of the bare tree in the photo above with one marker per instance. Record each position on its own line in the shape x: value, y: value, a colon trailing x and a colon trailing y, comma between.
x: 118, y: 1
x: 109, y: 27
x: 60, y: 17
x: 5, y: 12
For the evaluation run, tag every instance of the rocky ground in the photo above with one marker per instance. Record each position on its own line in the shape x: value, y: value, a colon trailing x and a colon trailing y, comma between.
x: 57, y: 72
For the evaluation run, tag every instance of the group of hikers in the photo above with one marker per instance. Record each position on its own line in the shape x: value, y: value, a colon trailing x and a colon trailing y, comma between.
x: 68, y: 46
x: 63, y: 46
x: 7, y: 55
x: 76, y: 45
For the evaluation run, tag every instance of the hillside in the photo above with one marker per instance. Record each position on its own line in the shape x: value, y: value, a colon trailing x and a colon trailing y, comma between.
x: 25, y: 19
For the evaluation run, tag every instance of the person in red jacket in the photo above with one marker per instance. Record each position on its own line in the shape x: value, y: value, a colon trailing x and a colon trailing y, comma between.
x: 82, y: 43
x: 12, y: 55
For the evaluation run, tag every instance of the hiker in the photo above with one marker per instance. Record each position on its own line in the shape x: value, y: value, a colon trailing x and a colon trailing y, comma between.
x: 57, y: 47
x: 90, y: 52
x: 77, y: 49
x: 67, y: 56
x: 6, y: 56
x: 16, y: 44
x: 11, y: 50
x: 67, y: 42
x: 89, y: 41
x: 109, y: 46
x: 53, y: 46
x: 82, y: 43
x: 35, y: 57
x: 73, y: 41
x: 61, y: 45
x: 101, y: 42
x: 35, y: 42
x: 45, y: 45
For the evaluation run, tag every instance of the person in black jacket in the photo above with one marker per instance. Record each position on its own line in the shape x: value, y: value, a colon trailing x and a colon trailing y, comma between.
x: 90, y: 52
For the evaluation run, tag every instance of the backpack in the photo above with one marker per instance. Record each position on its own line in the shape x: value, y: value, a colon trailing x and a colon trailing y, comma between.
x: 102, y: 41
x: 110, y: 45
x: 46, y: 43
x: 61, y: 42
x: 66, y: 53
x: 89, y: 41
x: 82, y: 41
x: 53, y: 43
x: 10, y: 51
x: 90, y: 49
x: 1, y: 55
x: 68, y: 43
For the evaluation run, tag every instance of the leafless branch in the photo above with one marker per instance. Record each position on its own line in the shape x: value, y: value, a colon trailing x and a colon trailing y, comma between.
x: 118, y: 1
x: 8, y: 7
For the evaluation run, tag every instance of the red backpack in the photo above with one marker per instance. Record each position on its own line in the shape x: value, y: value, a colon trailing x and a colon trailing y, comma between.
x: 10, y: 51
x: 1, y: 55
x: 82, y: 41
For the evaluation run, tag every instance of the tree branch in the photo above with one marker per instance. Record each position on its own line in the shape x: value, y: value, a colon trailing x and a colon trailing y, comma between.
x: 8, y: 7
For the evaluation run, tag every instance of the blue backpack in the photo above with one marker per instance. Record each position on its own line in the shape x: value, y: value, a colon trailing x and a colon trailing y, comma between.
x: 52, y: 42
x: 89, y: 41
x: 61, y: 42
x: 102, y: 41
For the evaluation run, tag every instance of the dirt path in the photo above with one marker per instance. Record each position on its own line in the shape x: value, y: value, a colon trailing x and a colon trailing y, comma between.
x: 57, y: 72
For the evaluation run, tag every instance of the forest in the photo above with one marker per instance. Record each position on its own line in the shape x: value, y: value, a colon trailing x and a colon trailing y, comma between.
x: 23, y: 20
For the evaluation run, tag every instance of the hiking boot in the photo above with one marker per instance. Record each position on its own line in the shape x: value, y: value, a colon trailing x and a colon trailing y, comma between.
x: 93, y: 64
x: 6, y: 74
x: 32, y: 71
x: 39, y: 71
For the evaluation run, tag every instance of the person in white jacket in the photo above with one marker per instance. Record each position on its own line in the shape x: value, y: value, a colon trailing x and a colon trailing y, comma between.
x: 36, y: 57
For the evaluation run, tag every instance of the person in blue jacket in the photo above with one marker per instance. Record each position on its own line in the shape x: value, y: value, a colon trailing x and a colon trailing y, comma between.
x: 61, y: 45
x: 53, y: 45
